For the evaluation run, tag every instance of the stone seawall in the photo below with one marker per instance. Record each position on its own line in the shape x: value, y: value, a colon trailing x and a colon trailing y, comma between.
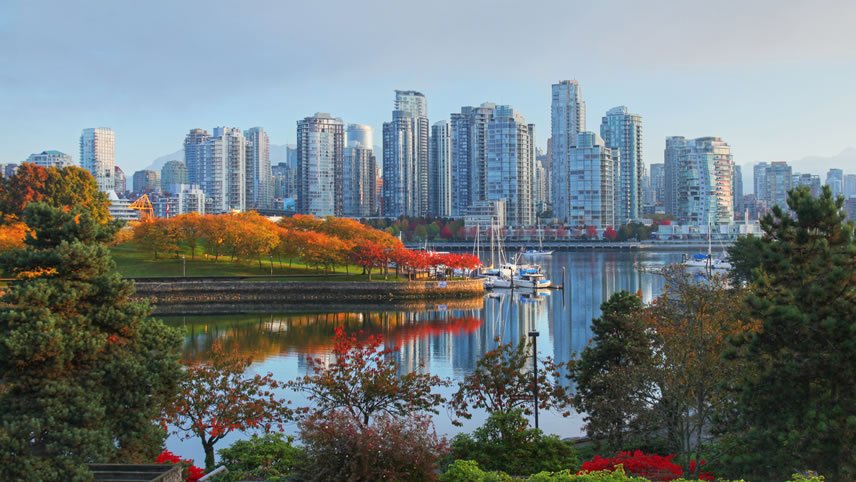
x: 213, y: 296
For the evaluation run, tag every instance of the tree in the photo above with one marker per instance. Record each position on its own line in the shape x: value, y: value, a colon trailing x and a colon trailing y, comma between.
x: 190, y: 230
x: 369, y: 255
x: 610, y: 234
x: 364, y: 381
x: 158, y: 236
x: 614, y: 374
x: 12, y: 235
x: 85, y: 371
x: 269, y: 457
x: 506, y: 443
x: 502, y: 382
x: 339, y: 447
x: 214, y: 233
x: 215, y: 399
x: 795, y: 407
x: 63, y: 188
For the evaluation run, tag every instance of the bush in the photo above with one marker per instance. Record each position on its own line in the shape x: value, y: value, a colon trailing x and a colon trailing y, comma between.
x: 505, y: 443
x: 651, y: 466
x: 339, y: 447
x: 271, y: 457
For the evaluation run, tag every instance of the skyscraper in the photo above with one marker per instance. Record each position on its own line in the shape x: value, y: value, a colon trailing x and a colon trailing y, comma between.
x: 835, y: 180
x: 405, y: 156
x: 567, y: 119
x: 778, y: 180
x: 51, y: 159
x: 98, y: 155
x: 511, y: 165
x: 320, y: 165
x: 737, y: 191
x: 173, y: 175
x: 359, y: 172
x: 193, y: 155
x: 658, y: 184
x: 591, y: 187
x: 812, y: 181
x: 257, y: 177
x: 440, y: 161
x: 217, y: 163
x: 469, y: 156
x: 759, y: 171
x: 699, y: 174
x: 850, y: 185
x: 623, y: 131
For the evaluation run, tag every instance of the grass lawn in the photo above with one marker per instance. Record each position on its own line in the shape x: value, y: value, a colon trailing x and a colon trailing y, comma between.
x: 134, y: 262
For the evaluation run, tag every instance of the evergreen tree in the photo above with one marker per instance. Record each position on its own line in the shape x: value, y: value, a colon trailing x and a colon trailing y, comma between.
x: 798, y: 408
x: 84, y: 373
x: 614, y: 373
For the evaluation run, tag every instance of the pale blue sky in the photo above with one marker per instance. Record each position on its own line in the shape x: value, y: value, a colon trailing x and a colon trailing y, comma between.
x: 773, y: 78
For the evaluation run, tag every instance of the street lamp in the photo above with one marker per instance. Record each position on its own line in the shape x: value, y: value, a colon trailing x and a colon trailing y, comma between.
x: 270, y: 257
x: 183, y: 266
x: 534, y: 335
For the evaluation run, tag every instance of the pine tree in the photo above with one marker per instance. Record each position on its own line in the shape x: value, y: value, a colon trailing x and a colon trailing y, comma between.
x: 84, y: 373
x: 799, y: 411
x: 614, y: 373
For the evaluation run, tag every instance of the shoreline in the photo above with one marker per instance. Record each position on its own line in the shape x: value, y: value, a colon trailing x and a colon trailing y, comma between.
x: 212, y: 296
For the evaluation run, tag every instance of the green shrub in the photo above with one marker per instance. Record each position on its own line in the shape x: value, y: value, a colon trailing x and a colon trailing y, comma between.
x: 506, y: 443
x: 271, y: 457
x: 469, y: 471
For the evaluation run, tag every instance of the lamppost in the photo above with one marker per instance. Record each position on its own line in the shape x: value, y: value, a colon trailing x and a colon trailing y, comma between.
x: 270, y: 257
x: 183, y: 266
x: 534, y: 335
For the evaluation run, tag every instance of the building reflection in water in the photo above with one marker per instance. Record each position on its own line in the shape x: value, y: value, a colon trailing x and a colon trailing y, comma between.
x: 444, y: 339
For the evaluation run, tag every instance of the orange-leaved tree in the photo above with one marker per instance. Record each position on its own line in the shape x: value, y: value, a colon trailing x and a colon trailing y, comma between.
x: 217, y: 398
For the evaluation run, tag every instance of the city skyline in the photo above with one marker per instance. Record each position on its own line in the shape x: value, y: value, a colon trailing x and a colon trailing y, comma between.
x: 744, y: 87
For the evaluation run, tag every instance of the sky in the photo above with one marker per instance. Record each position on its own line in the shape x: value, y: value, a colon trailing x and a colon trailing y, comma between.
x: 772, y: 78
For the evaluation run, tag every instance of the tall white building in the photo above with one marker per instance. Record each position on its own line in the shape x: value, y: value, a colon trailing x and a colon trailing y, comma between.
x: 511, y: 165
x: 567, y: 119
x: 320, y: 165
x: 623, y: 131
x: 51, y: 159
x: 359, y: 173
x: 98, y: 155
x: 591, y: 183
x: 441, y: 169
x: 405, y: 157
x: 698, y: 176
x: 193, y: 152
x: 259, y: 186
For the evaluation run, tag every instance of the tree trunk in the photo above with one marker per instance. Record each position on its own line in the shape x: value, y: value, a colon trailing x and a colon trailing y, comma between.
x: 209, y: 455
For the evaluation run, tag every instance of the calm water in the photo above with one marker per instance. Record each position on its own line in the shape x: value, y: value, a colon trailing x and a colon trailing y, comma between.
x: 447, y: 339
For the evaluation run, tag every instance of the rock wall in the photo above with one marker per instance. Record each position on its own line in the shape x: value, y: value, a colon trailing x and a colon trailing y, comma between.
x: 218, y: 296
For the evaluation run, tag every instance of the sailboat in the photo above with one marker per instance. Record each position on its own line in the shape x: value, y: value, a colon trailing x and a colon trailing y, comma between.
x: 706, y: 261
x: 540, y: 251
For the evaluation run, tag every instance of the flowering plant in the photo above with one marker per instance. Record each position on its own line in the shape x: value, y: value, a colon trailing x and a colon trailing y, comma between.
x: 651, y: 466
x: 190, y: 472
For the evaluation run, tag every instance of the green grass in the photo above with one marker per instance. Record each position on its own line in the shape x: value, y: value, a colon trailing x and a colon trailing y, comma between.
x: 134, y: 262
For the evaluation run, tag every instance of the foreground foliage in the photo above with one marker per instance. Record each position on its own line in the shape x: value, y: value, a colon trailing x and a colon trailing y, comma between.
x: 339, y: 447
x: 84, y: 371
x: 506, y: 443
x: 271, y: 457
x: 795, y: 408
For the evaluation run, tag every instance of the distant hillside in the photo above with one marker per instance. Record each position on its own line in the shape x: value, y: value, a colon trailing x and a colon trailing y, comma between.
x: 158, y: 163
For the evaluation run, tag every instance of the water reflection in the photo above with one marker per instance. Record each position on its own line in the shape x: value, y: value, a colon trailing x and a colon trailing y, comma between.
x: 446, y: 340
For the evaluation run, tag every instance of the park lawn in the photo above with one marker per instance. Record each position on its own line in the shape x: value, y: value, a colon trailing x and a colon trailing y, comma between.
x: 134, y: 262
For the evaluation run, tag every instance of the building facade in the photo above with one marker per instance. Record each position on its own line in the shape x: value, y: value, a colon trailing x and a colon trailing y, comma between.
x: 835, y: 181
x: 51, y: 159
x: 699, y: 175
x: 622, y: 130
x: 567, y: 119
x: 812, y: 181
x: 658, y: 185
x: 146, y: 181
x: 759, y: 171
x: 592, y: 180
x: 778, y: 181
x: 193, y: 154
x: 320, y: 165
x: 737, y: 192
x: 173, y: 175
x: 360, y: 173
x: 511, y: 165
x: 440, y: 167
x: 98, y: 155
x: 405, y: 157
x: 257, y: 177
x: 120, y: 181
x: 469, y: 156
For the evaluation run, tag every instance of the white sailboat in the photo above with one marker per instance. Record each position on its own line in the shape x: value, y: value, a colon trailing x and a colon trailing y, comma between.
x: 706, y: 261
x: 532, y: 253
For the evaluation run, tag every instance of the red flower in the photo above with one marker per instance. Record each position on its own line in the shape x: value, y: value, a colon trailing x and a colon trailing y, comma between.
x: 651, y: 466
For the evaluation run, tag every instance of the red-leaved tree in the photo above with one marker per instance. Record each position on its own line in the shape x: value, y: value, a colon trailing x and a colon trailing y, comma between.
x: 216, y: 398
x: 190, y: 472
x: 369, y: 255
x: 364, y: 380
